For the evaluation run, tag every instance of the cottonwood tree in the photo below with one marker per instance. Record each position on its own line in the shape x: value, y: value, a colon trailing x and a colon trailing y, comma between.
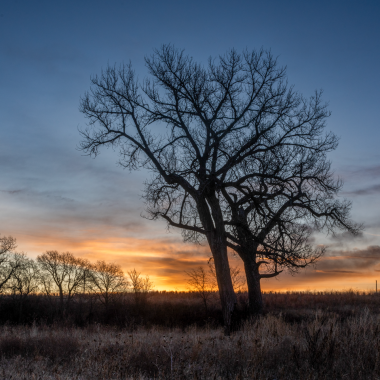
x: 9, y: 260
x: 237, y: 157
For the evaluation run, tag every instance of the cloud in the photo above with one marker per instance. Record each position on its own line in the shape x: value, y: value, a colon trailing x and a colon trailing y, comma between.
x: 12, y: 191
x: 370, y: 171
x: 345, y: 237
x: 38, y: 194
x: 335, y: 271
x: 370, y: 190
x: 355, y: 172
x: 355, y: 175
x: 357, y: 260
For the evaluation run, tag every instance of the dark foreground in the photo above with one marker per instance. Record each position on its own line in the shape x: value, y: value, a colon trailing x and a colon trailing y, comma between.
x: 316, y: 336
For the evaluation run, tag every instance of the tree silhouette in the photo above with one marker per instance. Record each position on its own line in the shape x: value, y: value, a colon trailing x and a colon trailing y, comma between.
x: 238, y: 157
x: 202, y: 283
x: 9, y: 260
x: 107, y: 280
x: 141, y: 287
x: 61, y: 272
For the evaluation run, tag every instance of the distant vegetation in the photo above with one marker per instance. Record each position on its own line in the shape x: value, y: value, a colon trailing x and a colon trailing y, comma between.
x: 62, y: 286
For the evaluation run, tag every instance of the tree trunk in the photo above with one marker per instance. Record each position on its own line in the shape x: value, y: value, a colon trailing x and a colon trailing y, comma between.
x: 226, y: 290
x: 205, y: 303
x: 61, y: 300
x: 106, y: 300
x: 20, y: 308
x: 217, y: 241
x: 255, y: 297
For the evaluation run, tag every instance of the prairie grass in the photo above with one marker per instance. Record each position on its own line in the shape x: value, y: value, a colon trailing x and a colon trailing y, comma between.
x: 325, y: 342
x: 266, y: 348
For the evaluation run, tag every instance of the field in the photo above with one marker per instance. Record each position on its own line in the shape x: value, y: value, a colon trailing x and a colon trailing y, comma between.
x: 300, y: 336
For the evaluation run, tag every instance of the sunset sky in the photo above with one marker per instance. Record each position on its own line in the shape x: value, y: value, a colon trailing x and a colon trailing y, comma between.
x: 52, y: 197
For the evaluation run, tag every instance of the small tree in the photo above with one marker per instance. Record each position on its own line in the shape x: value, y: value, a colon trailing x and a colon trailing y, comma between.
x: 61, y: 271
x: 203, y: 283
x: 107, y: 280
x: 141, y: 286
x: 26, y: 278
x: 9, y: 261
x: 237, y: 277
x: 86, y: 270
x: 24, y: 281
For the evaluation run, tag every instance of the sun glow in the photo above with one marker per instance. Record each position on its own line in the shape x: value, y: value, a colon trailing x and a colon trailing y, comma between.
x: 166, y: 260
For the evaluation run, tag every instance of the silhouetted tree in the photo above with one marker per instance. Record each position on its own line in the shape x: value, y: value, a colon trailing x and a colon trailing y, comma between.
x: 26, y: 278
x: 9, y: 260
x: 61, y: 272
x: 87, y: 276
x: 107, y: 279
x: 203, y: 283
x: 141, y: 286
x: 237, y: 278
x: 24, y: 281
x: 242, y: 162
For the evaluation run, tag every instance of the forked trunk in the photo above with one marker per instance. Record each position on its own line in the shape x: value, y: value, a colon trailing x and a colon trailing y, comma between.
x: 255, y: 297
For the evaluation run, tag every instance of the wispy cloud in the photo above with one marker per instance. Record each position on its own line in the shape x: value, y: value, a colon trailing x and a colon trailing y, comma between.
x: 12, y: 191
x: 370, y: 190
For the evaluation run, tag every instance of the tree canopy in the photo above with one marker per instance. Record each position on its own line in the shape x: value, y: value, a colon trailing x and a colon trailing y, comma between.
x: 237, y: 157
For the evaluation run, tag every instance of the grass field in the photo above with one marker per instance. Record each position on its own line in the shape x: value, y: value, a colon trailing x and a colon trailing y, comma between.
x: 301, y: 336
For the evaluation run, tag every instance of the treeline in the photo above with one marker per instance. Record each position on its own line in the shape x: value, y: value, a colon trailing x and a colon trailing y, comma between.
x: 59, y: 285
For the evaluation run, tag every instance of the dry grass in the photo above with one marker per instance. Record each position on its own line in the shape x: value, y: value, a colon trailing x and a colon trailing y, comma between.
x: 326, y: 335
x: 269, y: 348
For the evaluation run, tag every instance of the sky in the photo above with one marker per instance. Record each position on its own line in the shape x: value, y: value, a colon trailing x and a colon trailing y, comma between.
x: 52, y: 197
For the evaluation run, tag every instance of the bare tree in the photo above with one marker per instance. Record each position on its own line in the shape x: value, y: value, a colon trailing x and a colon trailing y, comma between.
x: 62, y: 271
x: 107, y: 279
x: 237, y: 278
x: 9, y: 260
x: 242, y: 163
x: 141, y: 286
x: 26, y: 278
x: 203, y: 283
x: 24, y: 281
x: 87, y: 276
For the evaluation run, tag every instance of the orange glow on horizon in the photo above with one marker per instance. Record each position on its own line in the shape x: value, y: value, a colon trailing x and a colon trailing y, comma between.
x: 166, y: 259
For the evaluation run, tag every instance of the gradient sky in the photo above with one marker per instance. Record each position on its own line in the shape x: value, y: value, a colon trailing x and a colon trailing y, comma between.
x: 53, y: 197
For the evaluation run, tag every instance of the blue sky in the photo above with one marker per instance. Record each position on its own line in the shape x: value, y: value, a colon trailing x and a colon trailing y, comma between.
x: 53, y: 197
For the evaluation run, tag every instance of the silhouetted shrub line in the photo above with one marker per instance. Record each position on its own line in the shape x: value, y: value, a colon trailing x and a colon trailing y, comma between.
x: 178, y: 309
